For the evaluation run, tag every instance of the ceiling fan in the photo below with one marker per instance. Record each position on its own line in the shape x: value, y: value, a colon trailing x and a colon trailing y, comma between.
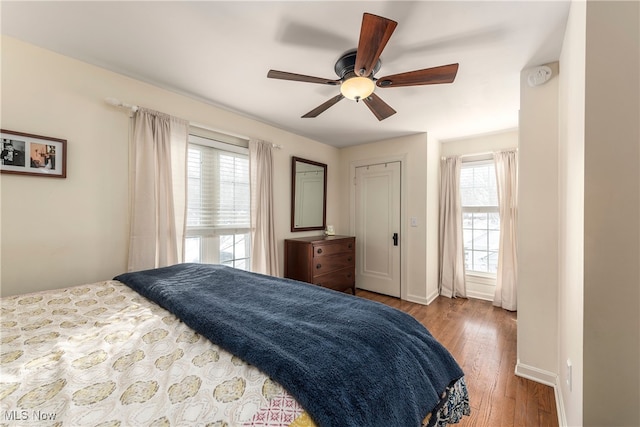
x: 356, y: 69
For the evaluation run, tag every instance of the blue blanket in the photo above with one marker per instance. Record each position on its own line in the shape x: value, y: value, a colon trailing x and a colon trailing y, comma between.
x: 348, y: 361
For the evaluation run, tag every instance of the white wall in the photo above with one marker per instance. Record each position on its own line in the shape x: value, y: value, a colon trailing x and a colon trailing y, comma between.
x: 63, y: 232
x: 479, y: 286
x: 612, y: 215
x: 538, y: 230
x: 420, y: 197
x: 571, y: 216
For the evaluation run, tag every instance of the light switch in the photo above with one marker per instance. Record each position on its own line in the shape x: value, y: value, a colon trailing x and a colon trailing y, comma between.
x: 414, y: 221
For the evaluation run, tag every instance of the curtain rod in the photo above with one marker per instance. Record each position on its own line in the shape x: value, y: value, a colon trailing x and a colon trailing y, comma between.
x: 485, y: 153
x: 133, y: 108
x: 117, y: 103
x: 482, y: 153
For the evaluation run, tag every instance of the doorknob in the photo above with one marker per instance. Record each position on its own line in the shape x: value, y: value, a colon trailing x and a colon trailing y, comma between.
x: 395, y: 239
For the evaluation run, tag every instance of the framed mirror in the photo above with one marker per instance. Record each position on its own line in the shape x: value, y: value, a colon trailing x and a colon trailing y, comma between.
x: 308, y: 195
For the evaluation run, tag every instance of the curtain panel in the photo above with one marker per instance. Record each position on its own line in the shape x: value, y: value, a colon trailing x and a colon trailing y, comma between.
x: 507, y: 277
x: 264, y: 251
x: 158, y: 190
x: 452, y: 271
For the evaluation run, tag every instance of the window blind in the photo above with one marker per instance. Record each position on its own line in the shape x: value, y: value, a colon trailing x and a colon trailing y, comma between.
x: 219, y: 201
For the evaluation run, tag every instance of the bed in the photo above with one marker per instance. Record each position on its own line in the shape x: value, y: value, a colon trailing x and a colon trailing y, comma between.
x: 193, y: 344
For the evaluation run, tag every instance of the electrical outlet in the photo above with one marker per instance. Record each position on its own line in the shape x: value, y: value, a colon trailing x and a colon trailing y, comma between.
x: 569, y: 374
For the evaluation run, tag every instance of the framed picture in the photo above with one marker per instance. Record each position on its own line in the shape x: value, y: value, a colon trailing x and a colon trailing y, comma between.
x: 26, y: 154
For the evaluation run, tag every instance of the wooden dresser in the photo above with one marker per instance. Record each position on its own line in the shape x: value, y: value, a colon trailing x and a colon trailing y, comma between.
x: 328, y: 261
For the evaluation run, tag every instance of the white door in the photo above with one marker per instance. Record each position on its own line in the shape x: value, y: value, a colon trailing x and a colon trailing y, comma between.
x: 377, y: 225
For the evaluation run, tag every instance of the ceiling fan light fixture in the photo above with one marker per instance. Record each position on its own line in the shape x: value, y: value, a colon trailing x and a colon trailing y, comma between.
x: 357, y: 88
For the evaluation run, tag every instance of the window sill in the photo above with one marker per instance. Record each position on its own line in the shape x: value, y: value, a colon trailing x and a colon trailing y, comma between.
x: 481, y: 276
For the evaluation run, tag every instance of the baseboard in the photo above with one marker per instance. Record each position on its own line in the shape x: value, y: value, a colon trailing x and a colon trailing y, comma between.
x: 418, y: 300
x: 479, y: 295
x: 536, y: 374
x: 432, y: 297
x: 547, y: 378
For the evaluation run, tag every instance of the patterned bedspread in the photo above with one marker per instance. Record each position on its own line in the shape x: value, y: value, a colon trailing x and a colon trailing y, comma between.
x: 102, y: 355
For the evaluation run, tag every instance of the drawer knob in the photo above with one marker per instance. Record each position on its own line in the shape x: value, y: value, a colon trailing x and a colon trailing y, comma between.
x: 319, y: 250
x: 318, y: 266
x: 349, y: 259
x: 350, y: 245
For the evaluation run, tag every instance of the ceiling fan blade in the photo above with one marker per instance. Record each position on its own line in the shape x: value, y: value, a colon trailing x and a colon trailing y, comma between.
x: 322, y: 108
x: 283, y: 75
x: 378, y: 107
x: 374, y: 35
x: 428, y: 76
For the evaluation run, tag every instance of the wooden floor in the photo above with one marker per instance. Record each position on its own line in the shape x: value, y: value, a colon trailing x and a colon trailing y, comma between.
x: 482, y: 338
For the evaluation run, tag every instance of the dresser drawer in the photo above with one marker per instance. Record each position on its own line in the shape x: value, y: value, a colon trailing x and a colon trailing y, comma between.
x: 327, y: 264
x: 347, y: 245
x: 339, y: 280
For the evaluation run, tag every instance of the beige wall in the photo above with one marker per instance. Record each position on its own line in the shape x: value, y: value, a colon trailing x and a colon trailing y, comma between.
x: 538, y: 229
x: 62, y: 232
x: 612, y: 215
x: 592, y: 273
x: 419, y: 245
x: 85, y: 235
x: 487, y: 143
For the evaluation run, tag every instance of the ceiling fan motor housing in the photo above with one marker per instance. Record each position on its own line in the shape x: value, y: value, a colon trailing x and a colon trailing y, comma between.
x: 345, y: 65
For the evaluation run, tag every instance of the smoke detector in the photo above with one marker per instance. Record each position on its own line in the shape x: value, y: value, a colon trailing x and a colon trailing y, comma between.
x: 539, y: 75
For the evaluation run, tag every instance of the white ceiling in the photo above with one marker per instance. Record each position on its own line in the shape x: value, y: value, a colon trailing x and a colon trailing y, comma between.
x: 220, y: 52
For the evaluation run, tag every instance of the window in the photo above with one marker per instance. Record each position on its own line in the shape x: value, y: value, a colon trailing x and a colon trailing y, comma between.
x: 480, y: 216
x: 218, y: 204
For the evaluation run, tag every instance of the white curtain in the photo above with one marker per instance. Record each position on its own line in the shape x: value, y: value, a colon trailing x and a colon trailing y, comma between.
x: 159, y: 190
x: 507, y: 278
x: 264, y: 253
x: 452, y: 271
